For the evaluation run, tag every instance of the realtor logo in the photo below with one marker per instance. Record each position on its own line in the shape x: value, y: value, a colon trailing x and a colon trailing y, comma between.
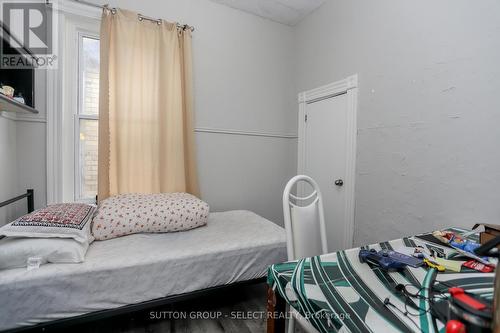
x: 28, y: 33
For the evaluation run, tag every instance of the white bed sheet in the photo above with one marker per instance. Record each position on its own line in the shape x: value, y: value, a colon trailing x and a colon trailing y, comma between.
x: 234, y: 246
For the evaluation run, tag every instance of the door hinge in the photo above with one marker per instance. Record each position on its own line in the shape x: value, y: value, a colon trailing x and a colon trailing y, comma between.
x: 305, y: 118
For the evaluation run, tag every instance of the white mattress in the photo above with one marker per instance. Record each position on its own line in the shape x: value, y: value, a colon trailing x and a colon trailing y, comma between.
x: 234, y: 246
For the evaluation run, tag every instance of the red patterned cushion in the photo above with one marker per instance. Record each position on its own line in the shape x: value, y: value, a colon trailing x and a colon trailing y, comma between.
x: 73, y: 215
x: 69, y: 220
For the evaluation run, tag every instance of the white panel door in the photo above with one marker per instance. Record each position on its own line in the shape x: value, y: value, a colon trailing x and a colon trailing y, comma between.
x: 326, y: 125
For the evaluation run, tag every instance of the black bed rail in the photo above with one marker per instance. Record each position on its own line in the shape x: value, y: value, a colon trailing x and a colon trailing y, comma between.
x: 30, y: 195
x: 70, y: 324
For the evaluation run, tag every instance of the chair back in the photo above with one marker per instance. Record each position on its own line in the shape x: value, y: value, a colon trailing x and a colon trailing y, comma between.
x: 304, y: 220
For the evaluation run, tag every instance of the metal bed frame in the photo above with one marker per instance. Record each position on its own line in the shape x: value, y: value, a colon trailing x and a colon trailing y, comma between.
x: 62, y: 324
x: 30, y: 195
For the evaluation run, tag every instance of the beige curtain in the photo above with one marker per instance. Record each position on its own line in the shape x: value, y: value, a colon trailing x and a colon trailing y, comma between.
x: 146, y: 139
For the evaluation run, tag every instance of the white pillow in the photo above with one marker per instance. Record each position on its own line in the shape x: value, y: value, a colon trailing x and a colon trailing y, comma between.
x: 68, y: 220
x: 15, y: 252
x: 127, y: 214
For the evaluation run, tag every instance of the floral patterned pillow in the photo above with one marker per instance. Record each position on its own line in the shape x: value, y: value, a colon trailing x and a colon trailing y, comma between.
x: 127, y: 214
x: 67, y: 220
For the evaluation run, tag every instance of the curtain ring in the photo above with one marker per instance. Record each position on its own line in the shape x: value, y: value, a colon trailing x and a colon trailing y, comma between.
x: 112, y: 10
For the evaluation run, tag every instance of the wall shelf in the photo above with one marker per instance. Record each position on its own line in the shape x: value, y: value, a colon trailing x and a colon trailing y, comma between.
x: 10, y: 105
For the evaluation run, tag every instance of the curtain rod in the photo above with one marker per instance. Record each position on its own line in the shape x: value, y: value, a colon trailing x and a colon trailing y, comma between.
x: 139, y: 16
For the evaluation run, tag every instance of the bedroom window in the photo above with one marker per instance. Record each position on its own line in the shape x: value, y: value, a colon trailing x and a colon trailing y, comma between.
x: 87, y: 119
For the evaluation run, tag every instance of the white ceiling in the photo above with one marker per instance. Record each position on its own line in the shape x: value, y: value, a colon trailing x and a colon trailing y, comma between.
x: 289, y: 12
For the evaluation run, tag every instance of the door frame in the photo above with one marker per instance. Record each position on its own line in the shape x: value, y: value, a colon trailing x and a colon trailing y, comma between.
x: 347, y: 86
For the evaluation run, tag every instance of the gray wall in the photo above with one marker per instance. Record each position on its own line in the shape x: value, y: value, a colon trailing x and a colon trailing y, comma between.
x: 242, y: 81
x: 22, y: 155
x: 31, y: 160
x: 428, y: 139
x: 8, y: 169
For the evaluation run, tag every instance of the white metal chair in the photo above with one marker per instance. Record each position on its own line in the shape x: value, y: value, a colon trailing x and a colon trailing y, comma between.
x: 305, y: 230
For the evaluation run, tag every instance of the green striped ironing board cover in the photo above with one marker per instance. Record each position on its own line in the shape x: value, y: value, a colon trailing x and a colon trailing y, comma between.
x: 337, y: 293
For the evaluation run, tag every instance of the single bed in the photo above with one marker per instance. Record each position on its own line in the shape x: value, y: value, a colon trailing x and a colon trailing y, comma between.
x: 141, y: 270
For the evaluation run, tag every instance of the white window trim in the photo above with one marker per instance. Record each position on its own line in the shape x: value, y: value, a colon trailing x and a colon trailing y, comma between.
x: 62, y: 103
x: 54, y: 125
x: 78, y: 116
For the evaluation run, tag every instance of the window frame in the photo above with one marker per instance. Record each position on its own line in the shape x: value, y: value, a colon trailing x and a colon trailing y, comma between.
x: 79, y: 116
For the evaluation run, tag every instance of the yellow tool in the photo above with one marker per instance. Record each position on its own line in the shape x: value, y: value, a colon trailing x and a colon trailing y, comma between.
x: 431, y: 264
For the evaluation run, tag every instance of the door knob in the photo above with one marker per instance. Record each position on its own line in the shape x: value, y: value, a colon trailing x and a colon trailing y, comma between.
x: 339, y: 182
